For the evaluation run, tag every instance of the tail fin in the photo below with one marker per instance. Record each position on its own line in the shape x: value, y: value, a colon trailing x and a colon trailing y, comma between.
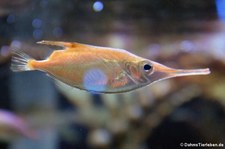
x: 20, y: 61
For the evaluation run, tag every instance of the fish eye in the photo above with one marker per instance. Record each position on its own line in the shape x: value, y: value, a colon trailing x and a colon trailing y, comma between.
x: 147, y: 67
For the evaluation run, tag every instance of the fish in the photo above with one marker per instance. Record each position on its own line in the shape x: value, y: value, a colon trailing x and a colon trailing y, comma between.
x: 98, y: 69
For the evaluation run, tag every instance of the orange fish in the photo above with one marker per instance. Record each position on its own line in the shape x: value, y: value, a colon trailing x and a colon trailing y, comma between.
x: 99, y: 69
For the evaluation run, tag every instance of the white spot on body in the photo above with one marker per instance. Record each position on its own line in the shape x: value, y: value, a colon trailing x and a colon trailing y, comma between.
x: 95, y: 80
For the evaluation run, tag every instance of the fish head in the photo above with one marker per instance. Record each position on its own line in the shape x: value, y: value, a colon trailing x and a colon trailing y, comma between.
x: 150, y: 72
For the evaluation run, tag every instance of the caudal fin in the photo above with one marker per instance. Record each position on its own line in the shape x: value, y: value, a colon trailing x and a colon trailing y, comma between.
x: 20, y: 61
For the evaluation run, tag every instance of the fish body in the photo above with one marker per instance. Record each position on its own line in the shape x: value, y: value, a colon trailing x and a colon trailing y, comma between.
x: 99, y: 69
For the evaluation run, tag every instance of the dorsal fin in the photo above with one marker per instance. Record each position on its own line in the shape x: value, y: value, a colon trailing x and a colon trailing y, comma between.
x: 66, y: 45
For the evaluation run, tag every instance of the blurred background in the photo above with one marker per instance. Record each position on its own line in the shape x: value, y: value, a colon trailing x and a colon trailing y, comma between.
x: 36, y: 113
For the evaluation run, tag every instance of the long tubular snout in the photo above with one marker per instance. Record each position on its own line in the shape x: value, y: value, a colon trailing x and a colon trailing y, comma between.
x: 189, y: 72
x: 171, y: 72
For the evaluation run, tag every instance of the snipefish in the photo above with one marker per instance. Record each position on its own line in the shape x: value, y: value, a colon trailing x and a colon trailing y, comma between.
x: 99, y: 69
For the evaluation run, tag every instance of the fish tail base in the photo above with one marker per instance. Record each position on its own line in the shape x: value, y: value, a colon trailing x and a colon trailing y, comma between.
x: 20, y: 62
